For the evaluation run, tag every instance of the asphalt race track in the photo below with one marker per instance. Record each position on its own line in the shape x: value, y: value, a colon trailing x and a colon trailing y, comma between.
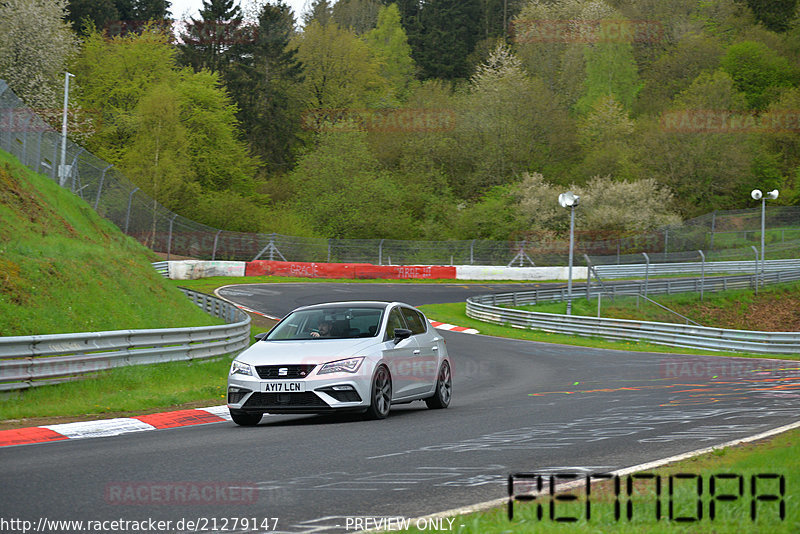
x: 517, y: 406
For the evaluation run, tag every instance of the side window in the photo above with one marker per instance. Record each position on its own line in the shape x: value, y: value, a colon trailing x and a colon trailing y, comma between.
x: 414, y: 321
x: 395, y: 321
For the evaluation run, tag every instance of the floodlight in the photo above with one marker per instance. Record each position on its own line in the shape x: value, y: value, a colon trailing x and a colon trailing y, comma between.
x: 568, y: 199
x: 756, y: 194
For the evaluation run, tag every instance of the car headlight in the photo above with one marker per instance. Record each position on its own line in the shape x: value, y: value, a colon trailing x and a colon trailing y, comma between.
x: 241, y: 368
x: 349, y: 365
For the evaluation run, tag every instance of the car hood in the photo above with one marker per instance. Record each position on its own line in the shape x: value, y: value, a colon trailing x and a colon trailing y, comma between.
x: 315, y: 351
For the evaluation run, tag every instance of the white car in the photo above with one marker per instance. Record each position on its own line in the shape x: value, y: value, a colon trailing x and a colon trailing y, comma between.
x: 341, y: 356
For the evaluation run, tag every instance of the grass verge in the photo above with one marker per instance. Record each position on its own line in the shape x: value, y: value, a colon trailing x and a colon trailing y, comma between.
x: 775, y: 308
x: 777, y: 455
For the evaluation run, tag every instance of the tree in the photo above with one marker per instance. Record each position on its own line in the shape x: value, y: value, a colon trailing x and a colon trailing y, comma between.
x: 113, y: 75
x: 156, y: 159
x: 340, y: 71
x: 675, y: 70
x: 606, y: 134
x: 342, y: 190
x: 390, y: 47
x: 607, y: 205
x: 218, y: 159
x: 192, y: 150
x: 758, y: 71
x: 36, y: 43
x: 449, y: 31
x: 508, y: 124
x: 264, y: 84
x: 98, y: 12
x: 610, y: 70
x: 360, y: 16
x: 320, y: 11
x: 209, y: 43
x: 689, y: 161
x: 776, y: 15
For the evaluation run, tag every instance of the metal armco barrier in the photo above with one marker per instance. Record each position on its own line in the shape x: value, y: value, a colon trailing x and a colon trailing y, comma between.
x: 29, y: 361
x: 711, y: 267
x: 637, y: 287
x: 485, y: 308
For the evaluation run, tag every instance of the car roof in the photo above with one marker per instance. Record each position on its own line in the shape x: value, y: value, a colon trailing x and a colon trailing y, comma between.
x: 353, y: 303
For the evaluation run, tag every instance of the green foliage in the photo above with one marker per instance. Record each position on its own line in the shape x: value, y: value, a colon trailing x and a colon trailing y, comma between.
x: 341, y: 191
x: 157, y: 156
x: 674, y: 71
x: 98, y: 13
x: 758, y: 72
x: 219, y: 161
x: 360, y: 16
x: 174, y: 132
x: 389, y: 45
x: 448, y: 33
x: 263, y: 83
x: 776, y: 15
x: 505, y: 107
x: 113, y: 75
x: 610, y: 71
x: 211, y: 41
x: 35, y: 46
x: 340, y: 71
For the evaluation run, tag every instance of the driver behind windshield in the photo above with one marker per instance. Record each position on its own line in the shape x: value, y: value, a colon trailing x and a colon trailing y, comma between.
x: 323, y: 329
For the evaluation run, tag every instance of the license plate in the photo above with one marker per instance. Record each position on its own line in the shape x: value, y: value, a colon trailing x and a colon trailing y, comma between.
x: 284, y: 386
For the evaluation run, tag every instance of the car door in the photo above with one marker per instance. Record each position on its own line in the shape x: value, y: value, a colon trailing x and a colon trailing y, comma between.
x: 399, y: 356
x: 425, y: 363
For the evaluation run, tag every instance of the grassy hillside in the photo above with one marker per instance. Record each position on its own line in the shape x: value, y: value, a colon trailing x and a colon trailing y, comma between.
x: 65, y: 269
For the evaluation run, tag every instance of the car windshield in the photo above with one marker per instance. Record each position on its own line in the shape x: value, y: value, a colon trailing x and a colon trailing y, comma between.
x: 344, y: 322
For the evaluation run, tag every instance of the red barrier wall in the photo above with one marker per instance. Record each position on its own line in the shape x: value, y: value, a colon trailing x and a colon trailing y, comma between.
x: 348, y: 270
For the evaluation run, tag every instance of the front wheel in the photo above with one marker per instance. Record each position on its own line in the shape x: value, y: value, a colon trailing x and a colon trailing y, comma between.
x: 444, y: 389
x: 380, y: 394
x: 245, y: 419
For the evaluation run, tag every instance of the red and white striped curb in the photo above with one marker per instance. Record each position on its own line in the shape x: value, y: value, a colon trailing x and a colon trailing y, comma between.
x: 453, y: 328
x: 113, y: 427
x: 251, y: 310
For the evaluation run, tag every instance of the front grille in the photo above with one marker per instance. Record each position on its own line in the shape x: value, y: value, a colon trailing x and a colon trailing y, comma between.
x: 293, y: 372
x: 266, y: 401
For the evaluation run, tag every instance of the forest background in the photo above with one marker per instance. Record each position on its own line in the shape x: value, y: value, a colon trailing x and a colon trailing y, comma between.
x: 435, y: 119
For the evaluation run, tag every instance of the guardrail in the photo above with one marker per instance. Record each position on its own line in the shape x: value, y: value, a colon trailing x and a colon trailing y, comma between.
x: 29, y: 361
x: 485, y: 308
x: 710, y: 267
x: 637, y: 287
x: 162, y: 268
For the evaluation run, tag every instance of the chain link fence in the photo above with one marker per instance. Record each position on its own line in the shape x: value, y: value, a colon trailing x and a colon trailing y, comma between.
x: 724, y: 235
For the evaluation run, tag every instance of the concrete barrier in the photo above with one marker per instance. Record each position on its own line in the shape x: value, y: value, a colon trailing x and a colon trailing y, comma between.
x: 489, y: 272
x: 194, y: 269
x: 349, y: 270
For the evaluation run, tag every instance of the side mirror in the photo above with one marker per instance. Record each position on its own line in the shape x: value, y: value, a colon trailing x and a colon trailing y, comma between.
x: 401, y: 334
x: 261, y: 336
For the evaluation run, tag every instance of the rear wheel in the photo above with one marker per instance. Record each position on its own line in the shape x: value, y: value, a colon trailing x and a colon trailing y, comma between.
x: 444, y: 389
x: 244, y: 418
x: 380, y: 394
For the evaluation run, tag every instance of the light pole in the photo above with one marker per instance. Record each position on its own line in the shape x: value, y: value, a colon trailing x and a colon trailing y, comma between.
x: 62, y: 171
x: 757, y: 195
x: 570, y: 200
